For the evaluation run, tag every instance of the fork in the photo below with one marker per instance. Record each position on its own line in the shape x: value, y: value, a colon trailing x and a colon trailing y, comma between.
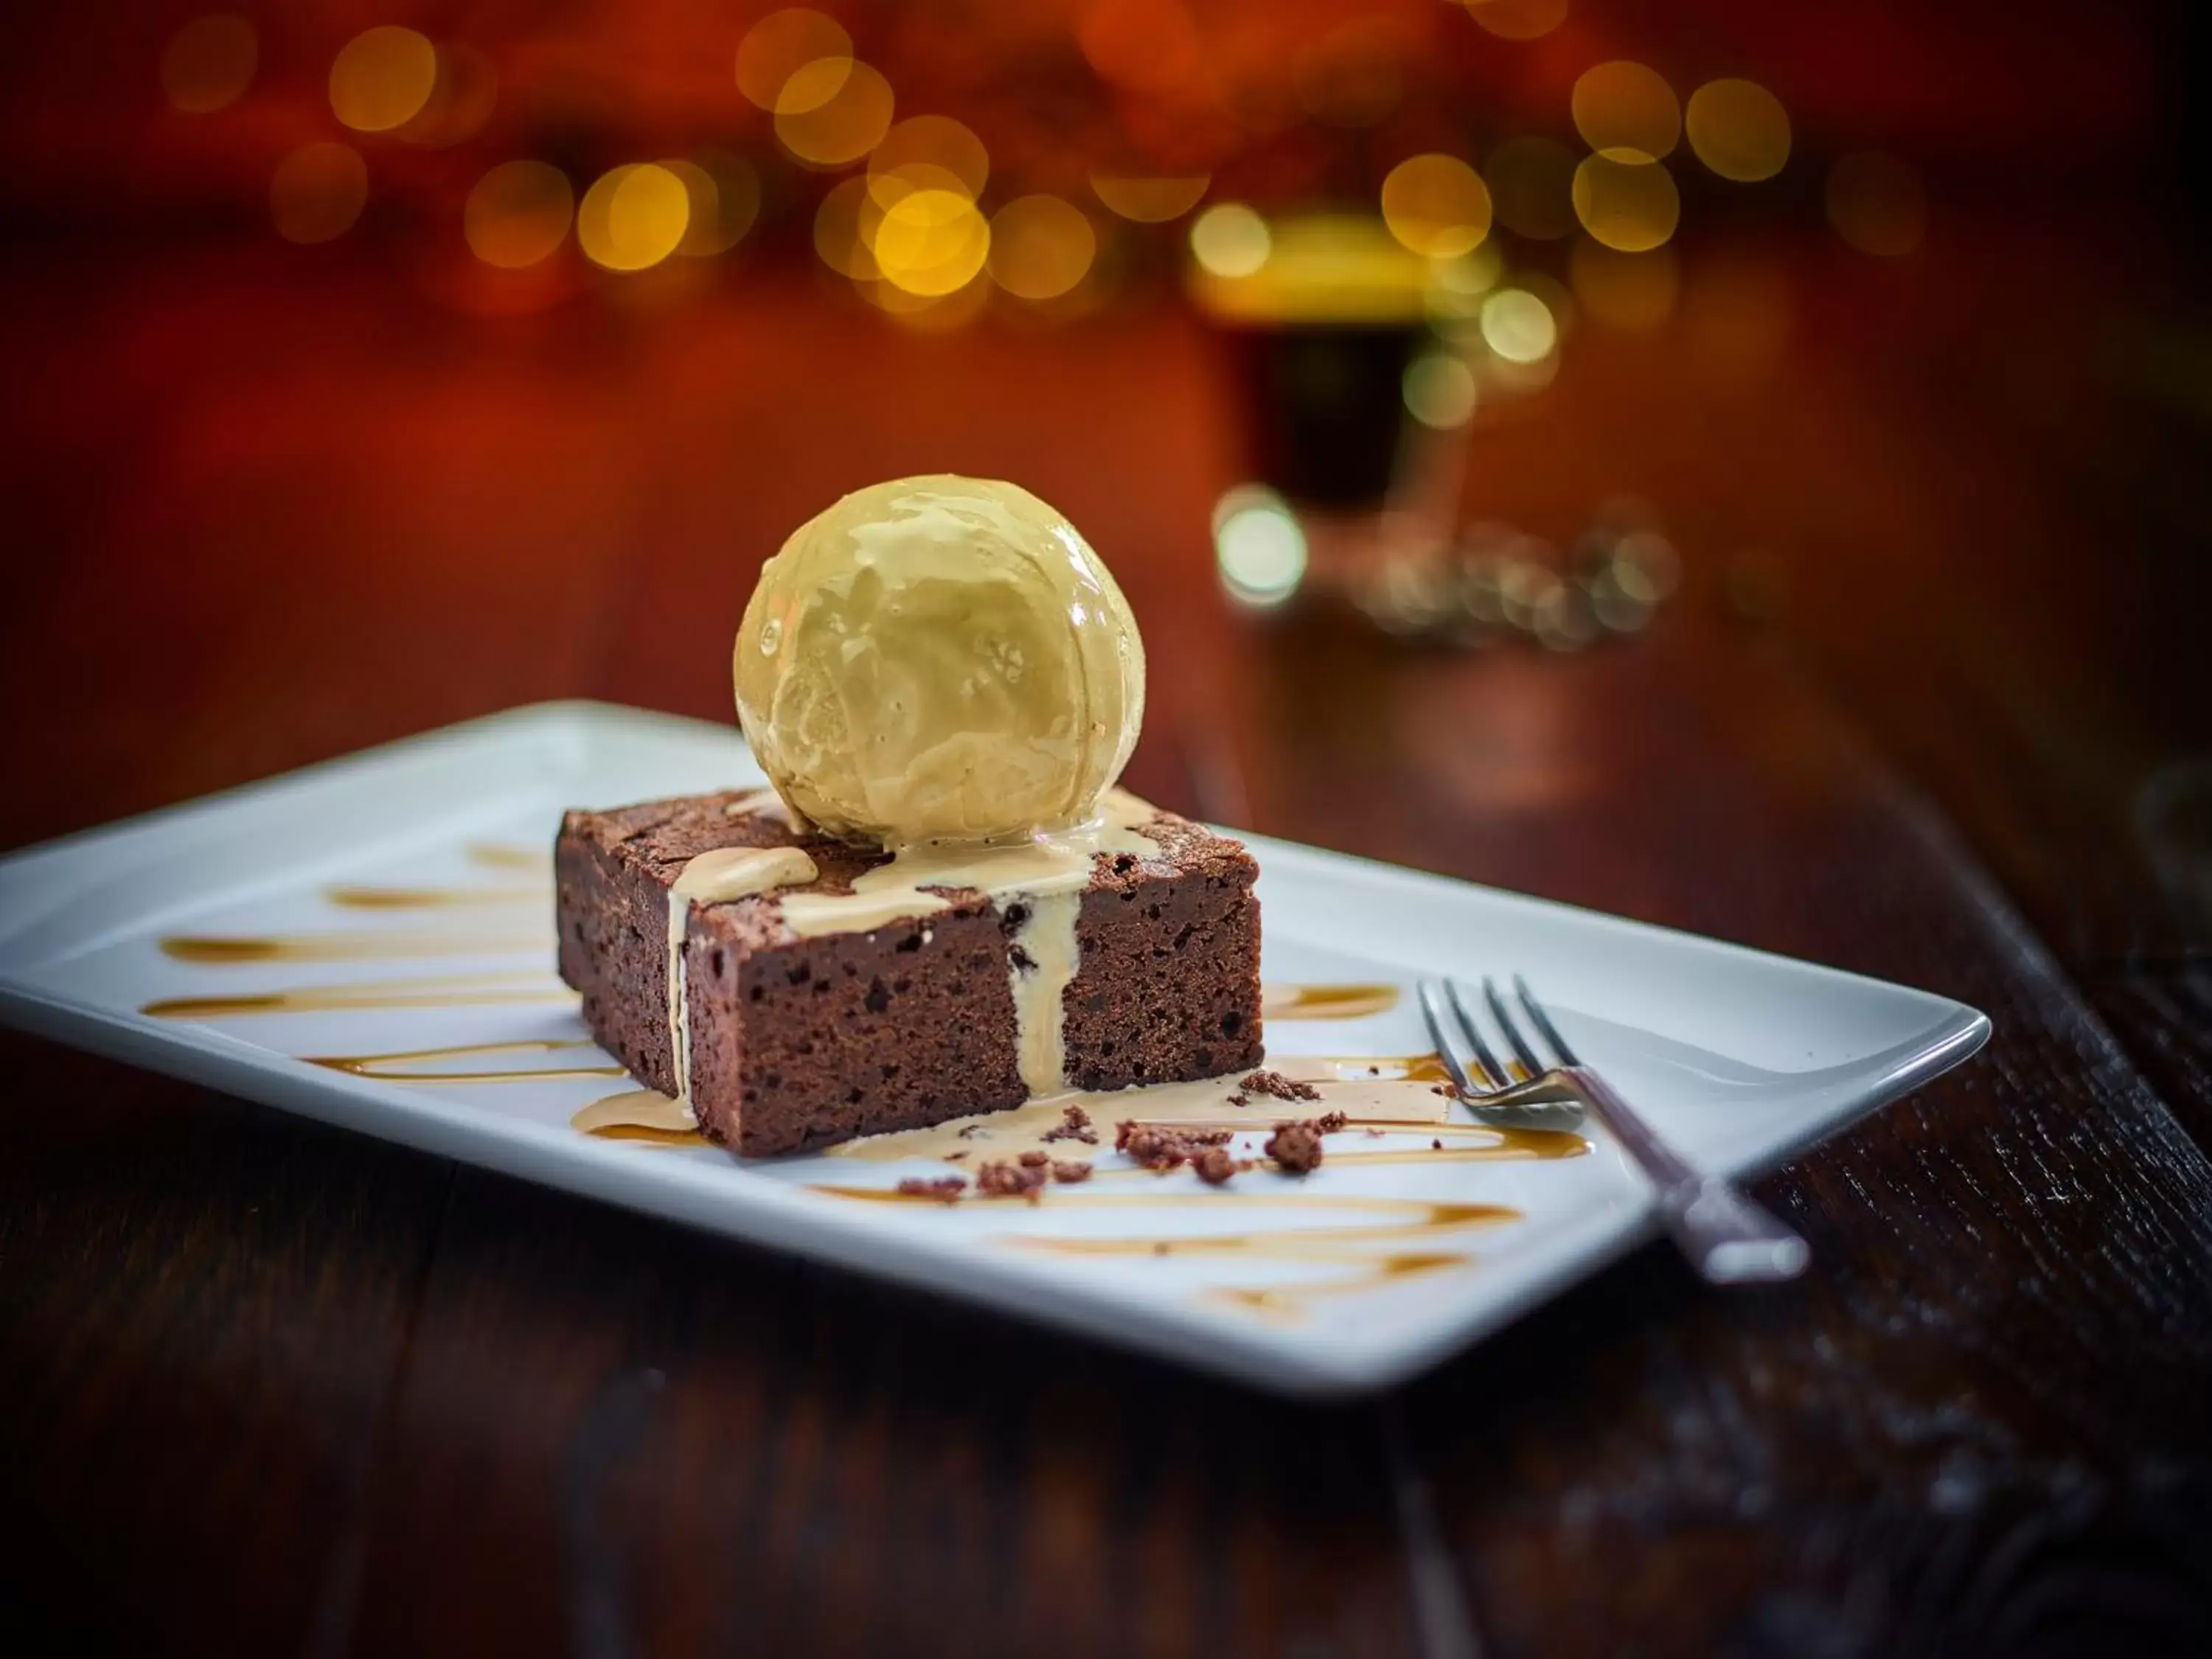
x: 1729, y: 1238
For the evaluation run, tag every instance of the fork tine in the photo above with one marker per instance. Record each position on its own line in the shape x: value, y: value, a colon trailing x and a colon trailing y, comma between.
x: 1433, y: 1014
x: 1474, y: 1035
x: 1543, y: 1021
x: 1498, y: 1012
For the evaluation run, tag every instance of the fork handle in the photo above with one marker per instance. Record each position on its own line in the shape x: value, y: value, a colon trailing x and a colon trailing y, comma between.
x: 1730, y: 1237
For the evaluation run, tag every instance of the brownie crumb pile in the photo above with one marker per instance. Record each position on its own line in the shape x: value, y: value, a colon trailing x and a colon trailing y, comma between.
x: 1001, y: 1179
x: 1160, y: 1147
x: 1075, y: 1124
x: 1213, y: 1165
x: 1296, y: 1147
x: 1283, y: 1088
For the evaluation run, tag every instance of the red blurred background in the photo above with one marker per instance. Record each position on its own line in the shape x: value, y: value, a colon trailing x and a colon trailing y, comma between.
x: 326, y: 425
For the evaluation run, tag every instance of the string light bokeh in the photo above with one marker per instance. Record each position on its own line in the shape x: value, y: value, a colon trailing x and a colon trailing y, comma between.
x: 1480, y: 189
x: 1180, y: 98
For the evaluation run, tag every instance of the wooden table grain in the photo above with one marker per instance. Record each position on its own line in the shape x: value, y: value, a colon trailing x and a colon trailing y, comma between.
x: 267, y: 1388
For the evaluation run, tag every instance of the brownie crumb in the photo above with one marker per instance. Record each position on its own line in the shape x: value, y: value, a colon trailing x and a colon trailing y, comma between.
x: 1435, y: 1146
x: 1448, y: 1090
x: 968, y: 1129
x: 1213, y: 1166
x: 954, y: 1158
x: 1296, y: 1147
x: 1000, y: 1179
x: 1283, y: 1088
x: 1070, y: 1171
x: 945, y: 1189
x: 1035, y: 1160
x: 1239, y: 1098
x: 1075, y: 1124
x: 1155, y: 1149
x: 1329, y: 1123
x: 1160, y: 1146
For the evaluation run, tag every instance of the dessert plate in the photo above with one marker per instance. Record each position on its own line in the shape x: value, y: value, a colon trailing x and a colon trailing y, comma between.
x: 369, y: 943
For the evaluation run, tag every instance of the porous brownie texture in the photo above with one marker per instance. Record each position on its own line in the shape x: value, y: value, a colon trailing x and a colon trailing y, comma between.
x: 800, y: 1042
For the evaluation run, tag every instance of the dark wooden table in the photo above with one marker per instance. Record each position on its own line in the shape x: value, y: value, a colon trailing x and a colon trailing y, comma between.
x: 267, y: 1388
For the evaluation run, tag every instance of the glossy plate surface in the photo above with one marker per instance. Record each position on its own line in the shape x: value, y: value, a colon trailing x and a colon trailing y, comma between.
x: 369, y: 943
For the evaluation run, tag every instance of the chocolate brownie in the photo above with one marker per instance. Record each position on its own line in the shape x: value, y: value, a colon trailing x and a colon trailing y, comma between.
x: 801, y: 1041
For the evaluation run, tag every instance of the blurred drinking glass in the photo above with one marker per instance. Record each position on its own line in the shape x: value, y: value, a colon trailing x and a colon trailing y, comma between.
x: 1356, y: 370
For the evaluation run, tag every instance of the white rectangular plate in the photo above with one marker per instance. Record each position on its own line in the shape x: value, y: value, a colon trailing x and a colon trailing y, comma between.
x: 425, y: 862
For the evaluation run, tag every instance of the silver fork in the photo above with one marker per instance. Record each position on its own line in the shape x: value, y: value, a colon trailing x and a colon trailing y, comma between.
x: 1729, y: 1238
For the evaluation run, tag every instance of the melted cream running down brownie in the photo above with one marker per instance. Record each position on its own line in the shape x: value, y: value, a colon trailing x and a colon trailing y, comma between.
x: 799, y: 1041
x: 942, y: 906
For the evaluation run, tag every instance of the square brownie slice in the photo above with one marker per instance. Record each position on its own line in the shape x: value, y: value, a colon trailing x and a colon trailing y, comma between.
x: 797, y: 1043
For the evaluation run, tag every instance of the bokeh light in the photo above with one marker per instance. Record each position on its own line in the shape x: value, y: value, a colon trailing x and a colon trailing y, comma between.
x: 1229, y: 240
x: 318, y: 192
x: 725, y: 199
x: 1626, y: 200
x: 780, y: 44
x: 1876, y: 203
x: 517, y: 214
x: 462, y: 97
x: 1436, y: 205
x: 1628, y: 291
x: 1259, y: 548
x: 836, y: 129
x: 1625, y: 106
x: 633, y: 217
x: 930, y: 242
x: 1531, y: 183
x: 1518, y: 20
x: 1150, y: 200
x: 1041, y: 247
x: 935, y: 142
x: 1455, y: 287
x: 382, y: 78
x: 1519, y: 326
x: 1739, y: 129
x: 1439, y: 390
x: 845, y: 227
x: 209, y: 62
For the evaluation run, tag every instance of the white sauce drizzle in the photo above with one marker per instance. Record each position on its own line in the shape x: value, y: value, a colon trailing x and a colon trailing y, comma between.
x: 715, y: 878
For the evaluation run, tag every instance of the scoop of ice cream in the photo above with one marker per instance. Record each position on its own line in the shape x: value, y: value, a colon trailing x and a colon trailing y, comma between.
x: 939, y: 658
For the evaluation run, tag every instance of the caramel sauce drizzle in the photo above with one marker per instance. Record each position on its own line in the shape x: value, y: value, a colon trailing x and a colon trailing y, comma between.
x: 1289, y: 1303
x: 392, y: 1067
x: 1300, y: 1244
x: 505, y: 855
x: 1326, y: 1001
x: 430, y: 898
x: 1326, y: 1243
x: 647, y: 1117
x: 436, y: 991
x: 364, y: 944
